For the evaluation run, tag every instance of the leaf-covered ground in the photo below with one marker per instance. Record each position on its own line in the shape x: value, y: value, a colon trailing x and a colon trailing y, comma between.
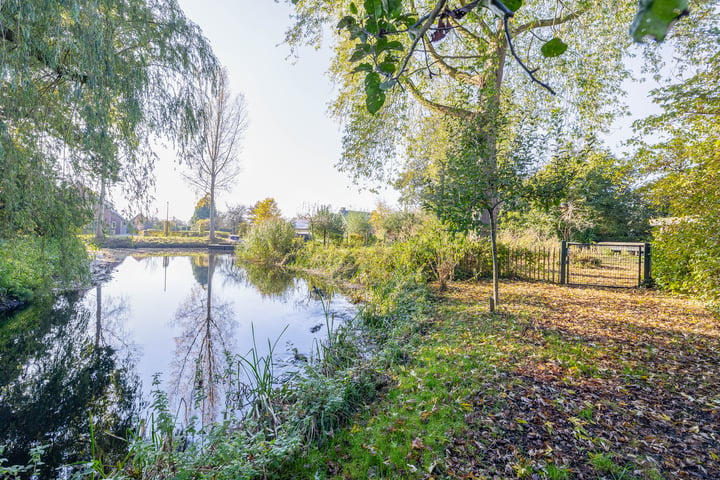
x: 615, y: 383
x: 582, y: 383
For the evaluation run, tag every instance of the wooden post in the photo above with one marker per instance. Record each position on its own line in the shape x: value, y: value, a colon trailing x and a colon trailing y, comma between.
x: 563, y: 262
x: 492, y: 305
x: 647, y: 273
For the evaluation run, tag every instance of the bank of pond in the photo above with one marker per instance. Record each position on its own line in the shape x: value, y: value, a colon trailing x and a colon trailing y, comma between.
x: 191, y: 339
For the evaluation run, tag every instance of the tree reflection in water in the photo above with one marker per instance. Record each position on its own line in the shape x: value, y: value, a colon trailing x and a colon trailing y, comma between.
x: 203, y: 348
x: 270, y: 282
x: 58, y: 374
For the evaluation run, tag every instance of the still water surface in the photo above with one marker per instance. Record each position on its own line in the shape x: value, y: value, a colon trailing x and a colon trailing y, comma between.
x: 176, y: 320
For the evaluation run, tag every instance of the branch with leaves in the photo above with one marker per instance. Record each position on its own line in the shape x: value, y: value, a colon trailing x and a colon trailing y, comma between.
x: 385, y: 61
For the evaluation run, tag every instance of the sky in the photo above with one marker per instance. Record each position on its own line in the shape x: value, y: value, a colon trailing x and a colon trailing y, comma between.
x: 291, y: 145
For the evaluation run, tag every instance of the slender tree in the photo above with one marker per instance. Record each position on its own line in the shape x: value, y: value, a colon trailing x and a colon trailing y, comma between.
x: 237, y: 217
x: 215, y: 165
x: 324, y: 223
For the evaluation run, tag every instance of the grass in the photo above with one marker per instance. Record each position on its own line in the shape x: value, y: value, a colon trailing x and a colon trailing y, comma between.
x: 151, y: 242
x: 562, y: 383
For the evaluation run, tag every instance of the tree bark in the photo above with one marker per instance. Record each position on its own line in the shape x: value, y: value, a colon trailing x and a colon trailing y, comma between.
x: 494, y: 248
x: 100, y: 219
x: 212, y: 209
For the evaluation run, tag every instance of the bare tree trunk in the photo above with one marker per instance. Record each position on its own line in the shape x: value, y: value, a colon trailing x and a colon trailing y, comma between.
x: 212, y: 209
x: 100, y: 219
x: 495, y: 263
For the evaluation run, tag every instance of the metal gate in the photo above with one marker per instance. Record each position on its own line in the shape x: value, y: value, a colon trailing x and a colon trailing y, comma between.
x: 605, y: 264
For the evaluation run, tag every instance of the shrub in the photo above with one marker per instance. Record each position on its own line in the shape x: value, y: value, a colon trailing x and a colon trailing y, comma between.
x: 686, y: 259
x: 586, y: 260
x: 272, y: 242
x: 202, y: 225
x: 434, y: 250
x: 31, y: 265
x: 477, y: 260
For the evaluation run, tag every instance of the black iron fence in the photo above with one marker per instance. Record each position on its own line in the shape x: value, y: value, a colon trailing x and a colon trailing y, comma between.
x: 605, y: 264
x: 599, y: 264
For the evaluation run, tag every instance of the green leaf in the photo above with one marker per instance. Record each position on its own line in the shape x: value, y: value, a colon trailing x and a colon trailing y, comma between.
x: 408, y: 19
x: 363, y: 67
x: 374, y: 8
x: 357, y: 33
x: 372, y: 26
x: 388, y: 67
x: 346, y: 22
x: 553, y: 48
x: 513, y: 5
x: 362, y: 50
x: 386, y: 26
x: 382, y: 45
x: 375, y: 97
x: 393, y: 8
x: 353, y: 8
x: 655, y: 17
x: 357, y: 55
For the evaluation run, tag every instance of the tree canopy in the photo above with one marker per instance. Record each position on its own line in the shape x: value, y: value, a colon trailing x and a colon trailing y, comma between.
x: 406, y: 68
x: 264, y: 210
x: 679, y: 153
x: 84, y: 90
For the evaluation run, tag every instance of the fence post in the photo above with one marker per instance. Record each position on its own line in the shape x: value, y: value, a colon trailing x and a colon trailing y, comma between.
x: 647, y: 271
x: 563, y: 262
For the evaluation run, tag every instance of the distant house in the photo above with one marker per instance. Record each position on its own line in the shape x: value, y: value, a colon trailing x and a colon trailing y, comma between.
x: 113, y: 222
x: 347, y: 215
x: 667, y: 221
x: 344, y: 213
x: 302, y: 228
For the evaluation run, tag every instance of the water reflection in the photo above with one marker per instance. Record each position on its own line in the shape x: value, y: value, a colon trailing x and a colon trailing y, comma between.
x: 203, y: 347
x: 274, y: 283
x: 87, y: 357
x: 56, y: 378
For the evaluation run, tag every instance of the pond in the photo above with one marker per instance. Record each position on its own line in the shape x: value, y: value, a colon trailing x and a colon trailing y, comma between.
x: 175, y: 325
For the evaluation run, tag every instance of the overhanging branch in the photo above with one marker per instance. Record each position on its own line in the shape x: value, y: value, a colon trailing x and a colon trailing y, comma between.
x: 437, y: 107
x: 547, y: 22
x: 9, y: 36
x: 531, y: 73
